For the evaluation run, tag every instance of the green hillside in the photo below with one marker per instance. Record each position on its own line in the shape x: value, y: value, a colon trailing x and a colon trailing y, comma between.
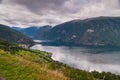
x: 13, y: 36
x: 17, y: 63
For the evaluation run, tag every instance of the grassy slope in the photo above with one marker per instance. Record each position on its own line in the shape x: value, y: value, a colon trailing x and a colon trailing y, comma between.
x: 20, y: 68
x: 20, y: 64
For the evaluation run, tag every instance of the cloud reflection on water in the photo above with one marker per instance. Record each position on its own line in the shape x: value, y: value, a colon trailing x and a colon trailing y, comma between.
x: 85, y: 58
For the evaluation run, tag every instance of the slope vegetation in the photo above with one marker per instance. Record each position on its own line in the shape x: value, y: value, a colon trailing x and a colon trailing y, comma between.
x: 17, y: 63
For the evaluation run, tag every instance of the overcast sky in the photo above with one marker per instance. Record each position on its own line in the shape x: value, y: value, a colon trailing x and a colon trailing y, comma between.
x: 24, y: 13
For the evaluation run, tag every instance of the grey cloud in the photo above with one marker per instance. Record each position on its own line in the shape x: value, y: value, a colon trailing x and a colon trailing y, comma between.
x: 0, y: 1
x: 45, y: 12
x: 40, y: 5
x: 65, y: 6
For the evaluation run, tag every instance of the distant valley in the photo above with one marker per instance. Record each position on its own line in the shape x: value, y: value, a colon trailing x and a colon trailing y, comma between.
x: 34, y: 32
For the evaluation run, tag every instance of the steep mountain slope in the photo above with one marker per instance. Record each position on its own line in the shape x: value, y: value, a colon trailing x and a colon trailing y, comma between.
x: 100, y: 31
x: 13, y: 36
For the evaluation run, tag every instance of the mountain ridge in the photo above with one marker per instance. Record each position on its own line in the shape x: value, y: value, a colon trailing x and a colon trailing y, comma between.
x: 99, y: 31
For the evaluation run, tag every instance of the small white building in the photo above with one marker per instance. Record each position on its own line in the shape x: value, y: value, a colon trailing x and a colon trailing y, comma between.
x: 90, y: 30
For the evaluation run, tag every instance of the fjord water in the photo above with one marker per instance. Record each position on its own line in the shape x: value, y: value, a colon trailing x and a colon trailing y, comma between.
x: 86, y: 58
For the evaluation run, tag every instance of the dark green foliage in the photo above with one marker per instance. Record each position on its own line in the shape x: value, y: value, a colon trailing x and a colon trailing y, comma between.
x: 105, y: 75
x: 12, y: 48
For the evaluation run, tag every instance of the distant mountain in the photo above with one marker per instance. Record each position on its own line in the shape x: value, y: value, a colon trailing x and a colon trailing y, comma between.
x: 17, y: 28
x: 30, y: 31
x: 13, y: 36
x: 100, y: 31
x: 41, y: 31
x: 34, y: 32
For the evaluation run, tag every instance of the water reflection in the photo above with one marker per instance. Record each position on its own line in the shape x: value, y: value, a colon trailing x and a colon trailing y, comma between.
x: 100, y: 59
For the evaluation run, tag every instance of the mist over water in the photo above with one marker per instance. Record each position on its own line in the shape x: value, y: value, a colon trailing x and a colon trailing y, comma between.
x: 90, y: 59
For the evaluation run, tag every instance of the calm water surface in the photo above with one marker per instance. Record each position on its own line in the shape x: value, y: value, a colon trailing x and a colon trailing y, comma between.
x: 100, y: 59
